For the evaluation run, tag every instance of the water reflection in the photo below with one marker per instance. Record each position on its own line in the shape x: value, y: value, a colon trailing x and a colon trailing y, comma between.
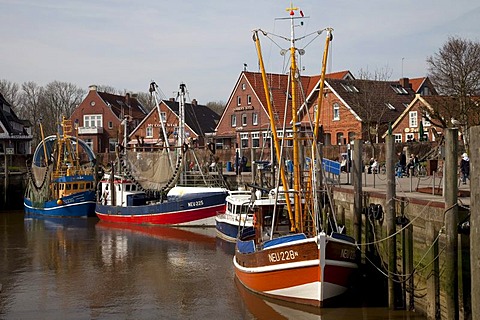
x: 86, y: 269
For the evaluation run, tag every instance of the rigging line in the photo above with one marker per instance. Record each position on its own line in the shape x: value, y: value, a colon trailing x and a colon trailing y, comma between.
x: 400, y: 230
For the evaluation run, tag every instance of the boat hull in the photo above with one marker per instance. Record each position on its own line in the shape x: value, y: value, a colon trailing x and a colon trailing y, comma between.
x: 80, y: 204
x: 306, y: 271
x: 194, y: 211
x: 227, y: 229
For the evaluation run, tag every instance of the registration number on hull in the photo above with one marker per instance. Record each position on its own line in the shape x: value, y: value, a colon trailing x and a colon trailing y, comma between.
x: 287, y: 255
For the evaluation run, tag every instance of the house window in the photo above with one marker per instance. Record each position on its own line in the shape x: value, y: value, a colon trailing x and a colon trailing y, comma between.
x: 336, y: 111
x: 425, y: 121
x: 255, y: 139
x: 351, y: 136
x: 339, y: 137
x: 244, y: 86
x: 249, y: 99
x: 410, y: 137
x: 110, y: 125
x: 244, y: 140
x: 244, y: 119
x: 327, y: 139
x: 255, y: 119
x: 111, y: 144
x: 239, y: 101
x: 233, y: 120
x: 267, y: 138
x: 412, y: 119
x: 92, y: 120
x: 164, y: 116
x: 89, y: 143
x: 149, y: 132
x: 289, y: 140
x: 398, y: 138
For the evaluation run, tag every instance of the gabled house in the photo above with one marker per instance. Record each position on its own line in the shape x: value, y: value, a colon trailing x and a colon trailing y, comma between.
x: 199, y: 121
x: 353, y: 109
x: 99, y: 117
x: 245, y: 123
x: 15, y: 134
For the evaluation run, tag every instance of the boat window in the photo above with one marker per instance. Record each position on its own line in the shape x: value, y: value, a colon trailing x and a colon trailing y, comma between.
x: 127, y: 187
x: 62, y: 186
x: 75, y: 186
x: 134, y: 187
x: 68, y: 186
x: 81, y: 186
x: 106, y: 187
x: 119, y: 188
x: 89, y: 185
x: 230, y: 208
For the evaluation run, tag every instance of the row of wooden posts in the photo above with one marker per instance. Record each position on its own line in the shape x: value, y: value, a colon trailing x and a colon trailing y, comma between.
x: 451, y: 220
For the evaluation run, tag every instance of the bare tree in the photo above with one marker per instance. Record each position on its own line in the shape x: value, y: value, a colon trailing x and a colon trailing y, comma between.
x: 371, y: 101
x: 455, y: 71
x: 216, y: 106
x: 32, y: 107
x: 10, y: 91
x: 60, y: 99
x: 146, y: 100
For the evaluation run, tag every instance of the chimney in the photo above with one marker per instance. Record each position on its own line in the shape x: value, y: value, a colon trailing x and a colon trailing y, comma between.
x: 194, y: 102
x: 405, y: 82
x: 92, y: 87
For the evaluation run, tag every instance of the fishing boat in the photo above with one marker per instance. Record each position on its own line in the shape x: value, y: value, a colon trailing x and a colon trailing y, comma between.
x: 238, y: 218
x: 62, y: 177
x: 311, y: 262
x: 170, y: 193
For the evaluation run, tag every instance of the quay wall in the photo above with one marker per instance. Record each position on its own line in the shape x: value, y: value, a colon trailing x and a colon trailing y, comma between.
x: 426, y: 294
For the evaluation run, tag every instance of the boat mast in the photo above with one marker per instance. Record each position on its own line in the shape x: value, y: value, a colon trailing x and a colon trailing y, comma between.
x: 294, y: 77
x: 273, y: 126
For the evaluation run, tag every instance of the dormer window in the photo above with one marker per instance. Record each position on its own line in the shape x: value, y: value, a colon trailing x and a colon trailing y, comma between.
x: 390, y: 106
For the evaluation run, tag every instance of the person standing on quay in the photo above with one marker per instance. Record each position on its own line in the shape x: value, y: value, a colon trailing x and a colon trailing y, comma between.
x: 465, y: 168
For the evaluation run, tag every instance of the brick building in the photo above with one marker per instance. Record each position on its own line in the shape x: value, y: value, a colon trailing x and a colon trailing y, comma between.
x: 245, y: 124
x: 99, y: 118
x: 199, y: 121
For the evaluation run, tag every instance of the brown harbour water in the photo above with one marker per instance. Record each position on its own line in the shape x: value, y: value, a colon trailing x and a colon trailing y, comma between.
x: 85, y: 269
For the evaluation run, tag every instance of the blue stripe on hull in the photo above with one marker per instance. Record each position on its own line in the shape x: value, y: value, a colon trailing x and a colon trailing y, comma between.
x: 229, y: 231
x: 194, y: 203
x: 81, y: 204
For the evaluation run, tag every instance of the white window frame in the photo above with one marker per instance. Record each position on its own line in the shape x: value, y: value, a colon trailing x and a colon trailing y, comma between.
x: 413, y: 119
x: 233, y: 120
x: 255, y: 119
x: 164, y: 116
x: 244, y: 137
x: 244, y: 119
x: 249, y: 99
x: 398, y: 137
x: 256, y: 137
x: 239, y: 101
x: 149, y: 132
x: 336, y: 111
x: 93, y: 121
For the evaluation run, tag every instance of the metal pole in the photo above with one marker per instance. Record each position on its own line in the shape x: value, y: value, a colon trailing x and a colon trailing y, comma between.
x: 475, y: 221
x: 390, y: 218
x: 451, y: 223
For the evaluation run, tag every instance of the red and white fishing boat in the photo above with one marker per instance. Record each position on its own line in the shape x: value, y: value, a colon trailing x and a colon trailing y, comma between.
x: 175, y: 201
x: 311, y: 262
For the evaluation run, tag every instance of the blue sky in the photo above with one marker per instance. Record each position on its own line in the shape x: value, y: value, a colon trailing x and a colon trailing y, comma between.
x: 125, y: 44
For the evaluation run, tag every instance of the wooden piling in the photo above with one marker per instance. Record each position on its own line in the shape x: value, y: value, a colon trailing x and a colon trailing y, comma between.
x: 390, y: 218
x: 433, y: 278
x: 475, y: 221
x: 357, y: 187
x: 451, y: 223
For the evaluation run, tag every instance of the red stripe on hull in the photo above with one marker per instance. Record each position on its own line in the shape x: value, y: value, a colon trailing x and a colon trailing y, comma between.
x: 171, y: 218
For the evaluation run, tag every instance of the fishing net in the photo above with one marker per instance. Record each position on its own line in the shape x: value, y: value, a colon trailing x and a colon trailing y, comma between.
x: 153, y: 170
